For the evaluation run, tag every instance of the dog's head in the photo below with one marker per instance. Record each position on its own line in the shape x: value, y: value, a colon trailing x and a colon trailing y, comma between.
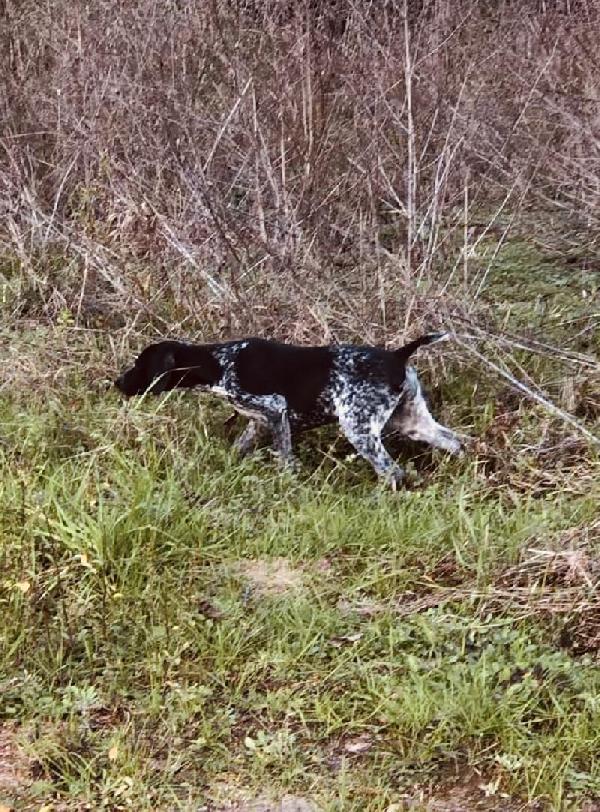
x: 167, y: 365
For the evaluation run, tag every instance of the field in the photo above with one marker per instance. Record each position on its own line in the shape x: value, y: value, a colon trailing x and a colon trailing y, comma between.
x: 181, y: 629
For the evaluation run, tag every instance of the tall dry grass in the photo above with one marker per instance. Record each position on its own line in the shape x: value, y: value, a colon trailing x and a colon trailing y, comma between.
x: 317, y: 170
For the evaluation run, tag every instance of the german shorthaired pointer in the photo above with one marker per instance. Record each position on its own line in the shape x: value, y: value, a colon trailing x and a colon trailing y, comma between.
x: 284, y: 389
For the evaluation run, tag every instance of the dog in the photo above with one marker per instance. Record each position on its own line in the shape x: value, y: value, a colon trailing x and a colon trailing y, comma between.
x: 284, y: 389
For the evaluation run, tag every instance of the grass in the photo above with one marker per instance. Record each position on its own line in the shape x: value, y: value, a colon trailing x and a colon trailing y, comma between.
x: 536, y: 293
x: 180, y: 628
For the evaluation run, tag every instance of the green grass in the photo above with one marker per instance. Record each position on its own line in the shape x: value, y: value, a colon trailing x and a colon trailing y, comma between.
x: 536, y: 293
x: 148, y: 668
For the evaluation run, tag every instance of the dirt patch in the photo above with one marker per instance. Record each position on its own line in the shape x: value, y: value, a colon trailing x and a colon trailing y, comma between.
x: 289, y: 803
x: 274, y: 577
x: 227, y: 798
x: 471, y: 792
x: 363, y: 607
x: 14, y: 766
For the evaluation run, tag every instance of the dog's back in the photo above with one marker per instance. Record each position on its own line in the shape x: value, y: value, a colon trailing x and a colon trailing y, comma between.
x: 300, y: 374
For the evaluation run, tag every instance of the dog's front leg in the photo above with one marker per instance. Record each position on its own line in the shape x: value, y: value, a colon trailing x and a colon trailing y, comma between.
x: 269, y: 412
x: 282, y: 436
x: 249, y: 439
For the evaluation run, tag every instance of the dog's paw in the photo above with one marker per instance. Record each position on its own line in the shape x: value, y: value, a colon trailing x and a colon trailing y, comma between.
x: 395, y: 479
x: 290, y: 464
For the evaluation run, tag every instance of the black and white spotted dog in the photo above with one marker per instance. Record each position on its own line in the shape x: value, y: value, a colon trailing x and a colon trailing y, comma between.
x: 284, y: 389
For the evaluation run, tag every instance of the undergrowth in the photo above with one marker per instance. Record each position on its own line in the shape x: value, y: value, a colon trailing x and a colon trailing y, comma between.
x: 180, y: 627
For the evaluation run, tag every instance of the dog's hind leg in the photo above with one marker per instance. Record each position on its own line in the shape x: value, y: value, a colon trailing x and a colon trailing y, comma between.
x: 370, y: 446
x: 413, y: 419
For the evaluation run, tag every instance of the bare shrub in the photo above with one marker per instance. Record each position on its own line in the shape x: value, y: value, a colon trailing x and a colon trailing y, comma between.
x: 316, y: 170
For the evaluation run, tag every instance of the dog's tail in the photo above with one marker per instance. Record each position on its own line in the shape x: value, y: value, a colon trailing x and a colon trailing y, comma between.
x: 404, y: 353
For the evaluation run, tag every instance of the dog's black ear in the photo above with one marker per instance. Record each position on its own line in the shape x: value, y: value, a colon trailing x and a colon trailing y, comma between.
x: 169, y: 361
x: 158, y: 371
x: 196, y: 366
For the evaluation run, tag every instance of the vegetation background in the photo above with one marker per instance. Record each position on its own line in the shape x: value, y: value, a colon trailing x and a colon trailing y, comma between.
x: 181, y: 630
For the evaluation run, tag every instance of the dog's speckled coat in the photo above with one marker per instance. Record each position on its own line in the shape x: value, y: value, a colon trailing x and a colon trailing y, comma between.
x: 283, y: 389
